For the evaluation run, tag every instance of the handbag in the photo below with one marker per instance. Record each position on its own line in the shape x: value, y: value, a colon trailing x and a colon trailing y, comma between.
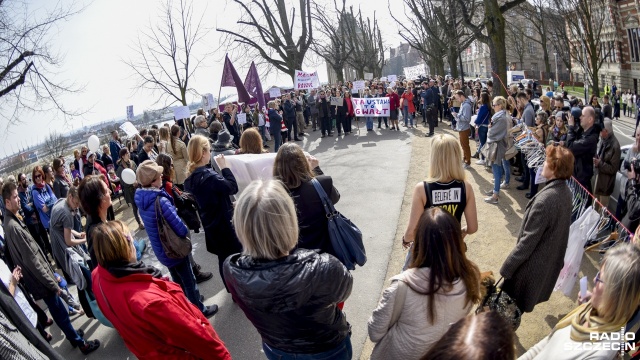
x: 500, y: 302
x: 346, y: 238
x: 174, y: 246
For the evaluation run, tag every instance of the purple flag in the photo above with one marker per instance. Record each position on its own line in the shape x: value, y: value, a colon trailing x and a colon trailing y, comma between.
x: 230, y: 77
x: 253, y: 85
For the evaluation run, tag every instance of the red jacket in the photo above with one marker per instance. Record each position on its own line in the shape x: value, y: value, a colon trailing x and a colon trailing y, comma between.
x: 407, y: 97
x: 350, y: 111
x: 155, y: 319
x: 394, y: 100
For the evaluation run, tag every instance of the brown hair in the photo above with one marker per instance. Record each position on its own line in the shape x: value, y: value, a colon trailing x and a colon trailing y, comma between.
x: 291, y: 166
x: 165, y: 161
x: 476, y: 337
x: 57, y: 164
x: 560, y: 161
x: 37, y: 170
x: 91, y: 190
x: 164, y: 134
x: 439, y: 246
x: 251, y: 142
x: 175, y: 132
x: 110, y: 243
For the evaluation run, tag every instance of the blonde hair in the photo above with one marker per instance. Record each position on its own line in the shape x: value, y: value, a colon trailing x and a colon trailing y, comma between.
x: 110, y: 243
x: 620, y: 274
x: 444, y: 161
x: 265, y: 220
x: 196, y: 148
x: 164, y: 134
x: 271, y: 104
x: 545, y: 100
x: 500, y: 100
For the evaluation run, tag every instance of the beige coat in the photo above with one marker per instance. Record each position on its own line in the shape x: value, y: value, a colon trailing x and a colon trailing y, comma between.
x: 180, y: 158
x: 413, y: 335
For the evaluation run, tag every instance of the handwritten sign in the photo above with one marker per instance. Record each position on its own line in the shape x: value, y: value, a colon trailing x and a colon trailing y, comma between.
x: 304, y: 80
x: 358, y: 85
x: 392, y: 78
x: 414, y: 72
x: 181, y: 112
x: 384, y: 78
x: 242, y: 118
x: 129, y: 129
x: 368, y: 76
x: 336, y: 101
x: 129, y: 112
x: 371, y: 107
x: 275, y: 93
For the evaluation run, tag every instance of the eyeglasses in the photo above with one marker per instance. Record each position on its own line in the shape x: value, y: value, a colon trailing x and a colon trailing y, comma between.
x: 597, y: 279
x: 38, y: 176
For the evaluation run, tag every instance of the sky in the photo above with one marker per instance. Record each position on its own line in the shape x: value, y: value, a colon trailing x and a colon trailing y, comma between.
x: 94, y: 43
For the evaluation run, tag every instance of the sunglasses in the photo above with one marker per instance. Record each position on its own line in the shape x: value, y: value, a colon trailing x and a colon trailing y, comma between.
x: 38, y: 176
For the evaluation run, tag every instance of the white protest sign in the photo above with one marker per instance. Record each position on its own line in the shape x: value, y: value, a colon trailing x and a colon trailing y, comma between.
x: 414, y: 72
x: 384, y: 78
x: 392, y: 78
x: 368, y: 76
x: 129, y: 112
x: 242, y: 118
x: 371, y: 107
x: 204, y: 102
x: 181, y: 112
x: 249, y: 167
x: 336, y: 101
x: 210, y: 100
x: 358, y: 85
x: 304, y: 80
x: 392, y: 84
x: 129, y: 129
x: 275, y: 93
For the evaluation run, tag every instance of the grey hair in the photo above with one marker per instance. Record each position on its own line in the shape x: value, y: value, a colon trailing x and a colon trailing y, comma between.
x: 200, y: 119
x: 608, y: 125
x: 265, y: 220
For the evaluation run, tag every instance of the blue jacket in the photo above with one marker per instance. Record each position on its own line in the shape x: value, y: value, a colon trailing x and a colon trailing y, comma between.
x: 289, y: 110
x: 484, y: 115
x: 428, y: 96
x: 27, y: 210
x: 464, y: 116
x: 114, y: 147
x: 41, y: 197
x: 146, y: 201
x: 275, y: 121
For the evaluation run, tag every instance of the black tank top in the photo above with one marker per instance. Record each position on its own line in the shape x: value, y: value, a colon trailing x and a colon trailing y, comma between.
x: 451, y: 196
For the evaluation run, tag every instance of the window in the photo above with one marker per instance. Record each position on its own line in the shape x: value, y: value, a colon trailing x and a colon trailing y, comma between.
x: 532, y: 48
x: 634, y: 44
x: 608, y: 51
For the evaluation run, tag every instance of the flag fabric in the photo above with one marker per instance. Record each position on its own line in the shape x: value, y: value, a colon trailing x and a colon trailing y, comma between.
x: 253, y: 85
x: 230, y: 77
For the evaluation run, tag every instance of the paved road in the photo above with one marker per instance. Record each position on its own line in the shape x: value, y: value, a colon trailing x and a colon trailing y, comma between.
x: 370, y: 172
x: 624, y: 129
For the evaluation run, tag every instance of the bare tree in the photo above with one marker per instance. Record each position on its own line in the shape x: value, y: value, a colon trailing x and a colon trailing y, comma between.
x: 267, y: 31
x: 558, y: 37
x: 332, y: 47
x: 535, y: 14
x: 489, y: 28
x: 55, y: 145
x: 164, y: 60
x: 518, y: 41
x: 364, y: 42
x: 28, y: 75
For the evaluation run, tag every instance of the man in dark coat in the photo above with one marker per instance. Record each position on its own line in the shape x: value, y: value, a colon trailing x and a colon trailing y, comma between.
x: 583, y: 145
x: 289, y: 114
x: 607, y: 163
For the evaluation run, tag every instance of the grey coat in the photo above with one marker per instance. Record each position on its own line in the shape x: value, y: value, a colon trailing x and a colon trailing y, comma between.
x: 498, y: 134
x: 532, y: 268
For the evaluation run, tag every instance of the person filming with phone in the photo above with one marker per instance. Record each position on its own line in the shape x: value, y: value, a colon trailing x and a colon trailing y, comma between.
x: 582, y: 140
x: 606, y: 163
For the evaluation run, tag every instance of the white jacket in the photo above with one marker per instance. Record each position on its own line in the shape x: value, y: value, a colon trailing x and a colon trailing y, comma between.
x: 413, y: 335
x: 560, y: 346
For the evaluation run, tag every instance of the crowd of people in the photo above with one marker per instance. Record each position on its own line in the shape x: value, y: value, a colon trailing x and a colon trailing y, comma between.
x: 274, y: 250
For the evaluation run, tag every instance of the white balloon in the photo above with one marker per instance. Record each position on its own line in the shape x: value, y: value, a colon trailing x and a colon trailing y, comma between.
x: 128, y: 176
x: 94, y: 143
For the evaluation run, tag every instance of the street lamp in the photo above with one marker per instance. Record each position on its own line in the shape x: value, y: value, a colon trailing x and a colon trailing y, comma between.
x: 555, y: 54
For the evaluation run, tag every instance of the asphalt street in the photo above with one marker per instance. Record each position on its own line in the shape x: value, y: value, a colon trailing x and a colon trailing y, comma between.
x: 370, y: 171
x: 624, y: 128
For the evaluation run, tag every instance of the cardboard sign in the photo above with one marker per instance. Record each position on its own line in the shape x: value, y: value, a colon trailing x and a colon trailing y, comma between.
x: 275, y: 93
x: 181, y: 112
x: 242, y: 118
x: 336, y: 101
x: 304, y: 80
x: 130, y: 112
x: 358, y: 85
x: 371, y: 107
x: 414, y: 72
x: 392, y: 78
x: 129, y: 129
x: 368, y: 76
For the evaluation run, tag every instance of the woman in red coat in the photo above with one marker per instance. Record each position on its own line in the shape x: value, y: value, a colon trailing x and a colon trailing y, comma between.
x: 394, y: 106
x: 350, y: 113
x: 152, y: 315
x: 408, y: 108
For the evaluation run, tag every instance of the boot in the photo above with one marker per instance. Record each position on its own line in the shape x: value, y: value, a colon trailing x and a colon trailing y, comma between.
x: 201, y: 276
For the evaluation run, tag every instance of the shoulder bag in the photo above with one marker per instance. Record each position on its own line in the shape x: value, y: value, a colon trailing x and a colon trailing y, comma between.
x: 500, y: 302
x: 174, y: 246
x: 346, y: 238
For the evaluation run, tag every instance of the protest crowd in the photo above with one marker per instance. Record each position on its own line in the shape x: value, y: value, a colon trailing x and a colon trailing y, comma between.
x: 276, y: 238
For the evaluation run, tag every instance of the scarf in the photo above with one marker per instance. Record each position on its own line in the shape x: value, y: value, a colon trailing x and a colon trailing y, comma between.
x: 498, y: 115
x: 124, y: 268
x: 587, y: 315
x: 40, y: 186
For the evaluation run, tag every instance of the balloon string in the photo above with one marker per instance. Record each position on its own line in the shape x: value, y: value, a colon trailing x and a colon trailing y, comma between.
x: 504, y: 87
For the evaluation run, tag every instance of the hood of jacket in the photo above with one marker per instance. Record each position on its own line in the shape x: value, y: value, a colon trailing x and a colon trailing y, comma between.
x: 418, y: 281
x: 146, y: 197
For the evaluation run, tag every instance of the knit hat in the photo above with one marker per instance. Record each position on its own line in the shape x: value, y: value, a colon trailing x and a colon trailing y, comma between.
x: 224, y: 138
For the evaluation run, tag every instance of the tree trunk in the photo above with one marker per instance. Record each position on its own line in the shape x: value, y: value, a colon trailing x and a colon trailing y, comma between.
x: 495, y: 25
x: 547, y: 65
x: 438, y: 66
x: 452, y: 59
x: 339, y: 73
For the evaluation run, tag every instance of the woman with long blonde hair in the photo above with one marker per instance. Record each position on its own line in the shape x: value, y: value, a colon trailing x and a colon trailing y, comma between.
x: 212, y: 191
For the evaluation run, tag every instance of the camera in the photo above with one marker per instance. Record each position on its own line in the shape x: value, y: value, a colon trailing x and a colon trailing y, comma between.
x: 635, y: 163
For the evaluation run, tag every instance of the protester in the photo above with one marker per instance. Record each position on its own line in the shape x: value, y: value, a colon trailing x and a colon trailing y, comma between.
x: 482, y: 124
x: 463, y: 120
x: 532, y: 268
x: 312, y: 103
x: 178, y: 151
x: 201, y: 126
x: 164, y: 137
x: 147, y: 152
x: 214, y: 129
x: 212, y: 191
x: 251, y: 142
x: 583, y: 145
x: 80, y: 159
x: 350, y: 114
x: 38, y: 273
x: 429, y: 97
x: 299, y: 104
x: 324, y: 116
x: 48, y: 175
x: 107, y: 160
x: 394, y: 106
x: 95, y: 201
x: 115, y: 146
x: 43, y: 200
x: 275, y: 119
x: 558, y: 132
x: 151, y: 314
x: 290, y: 295
x: 498, y: 130
x: 223, y: 145
x: 606, y: 163
x: 61, y: 181
x: 408, y: 108
x: 94, y: 166
x: 289, y: 115
x: 603, y: 313
x: 442, y: 287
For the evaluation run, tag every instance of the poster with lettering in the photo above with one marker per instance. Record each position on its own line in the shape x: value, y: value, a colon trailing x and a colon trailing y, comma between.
x: 129, y: 129
x: 336, y: 101
x: 414, y: 72
x: 392, y: 78
x: 130, y: 112
x: 371, y: 107
x: 305, y: 80
x: 275, y: 93
x: 358, y: 85
x: 368, y: 76
x: 181, y: 112
x: 205, y: 102
x: 242, y: 118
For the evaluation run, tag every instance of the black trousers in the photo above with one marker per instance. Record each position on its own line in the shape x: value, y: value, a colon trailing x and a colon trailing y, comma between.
x: 325, y: 125
x: 292, y: 127
x: 432, y: 118
x: 340, y: 123
x: 380, y: 119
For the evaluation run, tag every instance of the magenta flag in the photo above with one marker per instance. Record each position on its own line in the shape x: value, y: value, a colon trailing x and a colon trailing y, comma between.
x: 253, y: 85
x: 230, y: 77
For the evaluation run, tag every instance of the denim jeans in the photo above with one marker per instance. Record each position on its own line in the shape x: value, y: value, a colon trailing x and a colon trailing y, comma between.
x: 497, y: 176
x: 277, y: 140
x: 369, y: 123
x: 506, y: 167
x: 182, y: 274
x: 341, y: 352
x: 407, y: 115
x: 482, y: 134
x: 60, y: 315
x: 525, y: 171
x: 262, y: 130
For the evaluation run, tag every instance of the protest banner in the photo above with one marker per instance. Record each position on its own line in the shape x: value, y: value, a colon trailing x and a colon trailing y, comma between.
x: 368, y: 76
x: 129, y: 129
x: 392, y: 78
x: 275, y: 93
x: 358, y: 85
x: 304, y: 80
x: 384, y: 78
x: 414, y: 72
x: 336, y: 101
x: 242, y: 118
x: 371, y: 107
x: 130, y: 112
x: 181, y: 112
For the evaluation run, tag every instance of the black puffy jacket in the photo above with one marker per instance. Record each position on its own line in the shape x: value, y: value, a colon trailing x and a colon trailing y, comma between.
x: 292, y: 300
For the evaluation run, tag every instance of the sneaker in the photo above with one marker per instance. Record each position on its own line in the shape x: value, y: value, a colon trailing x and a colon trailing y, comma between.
x: 480, y: 162
x: 209, y: 311
x: 491, y: 200
x: 488, y: 192
x: 475, y: 156
x: 504, y: 185
x: 89, y: 346
x: 466, y: 166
